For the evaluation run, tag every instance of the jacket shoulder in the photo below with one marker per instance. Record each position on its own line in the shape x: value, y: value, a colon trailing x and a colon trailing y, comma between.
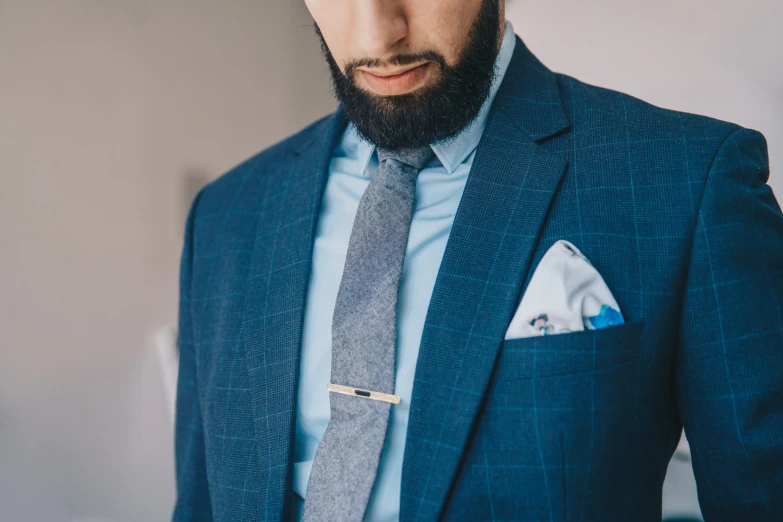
x: 607, y: 111
x: 217, y: 195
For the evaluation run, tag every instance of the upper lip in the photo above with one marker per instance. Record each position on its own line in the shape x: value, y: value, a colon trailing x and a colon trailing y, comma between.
x: 393, y: 72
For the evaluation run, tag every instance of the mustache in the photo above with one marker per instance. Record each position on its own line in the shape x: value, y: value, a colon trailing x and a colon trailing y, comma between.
x: 398, y: 60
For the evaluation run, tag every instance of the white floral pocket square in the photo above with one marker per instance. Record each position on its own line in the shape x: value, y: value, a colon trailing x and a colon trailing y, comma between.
x: 565, y: 294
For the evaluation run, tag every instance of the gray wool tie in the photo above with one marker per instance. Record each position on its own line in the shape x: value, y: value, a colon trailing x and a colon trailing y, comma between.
x: 364, y: 330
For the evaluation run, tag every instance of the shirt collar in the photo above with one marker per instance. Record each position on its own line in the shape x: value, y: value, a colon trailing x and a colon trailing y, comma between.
x: 452, y: 153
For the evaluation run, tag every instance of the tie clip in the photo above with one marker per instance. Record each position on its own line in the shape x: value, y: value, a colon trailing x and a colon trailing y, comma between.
x: 366, y: 394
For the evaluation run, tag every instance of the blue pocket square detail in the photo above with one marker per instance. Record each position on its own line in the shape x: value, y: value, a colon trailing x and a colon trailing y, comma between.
x: 607, y: 317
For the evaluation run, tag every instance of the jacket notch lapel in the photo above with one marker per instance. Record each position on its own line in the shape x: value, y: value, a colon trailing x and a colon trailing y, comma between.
x: 493, y: 238
x: 275, y: 304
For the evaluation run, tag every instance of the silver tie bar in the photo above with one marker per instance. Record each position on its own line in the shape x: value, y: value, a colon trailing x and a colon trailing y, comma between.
x: 365, y: 394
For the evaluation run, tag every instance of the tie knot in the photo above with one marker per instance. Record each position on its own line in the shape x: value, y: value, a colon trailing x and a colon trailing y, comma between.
x: 416, y: 158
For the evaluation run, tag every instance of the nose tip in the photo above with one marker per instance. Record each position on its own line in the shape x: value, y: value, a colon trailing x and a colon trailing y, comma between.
x: 379, y: 26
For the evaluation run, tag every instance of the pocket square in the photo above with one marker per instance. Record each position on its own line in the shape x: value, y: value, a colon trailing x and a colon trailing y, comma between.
x: 565, y: 294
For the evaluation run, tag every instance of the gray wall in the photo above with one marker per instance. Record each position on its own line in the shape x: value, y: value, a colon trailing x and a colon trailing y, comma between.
x: 105, y: 104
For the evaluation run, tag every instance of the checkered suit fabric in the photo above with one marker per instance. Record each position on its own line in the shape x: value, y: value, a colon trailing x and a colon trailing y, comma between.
x: 672, y: 209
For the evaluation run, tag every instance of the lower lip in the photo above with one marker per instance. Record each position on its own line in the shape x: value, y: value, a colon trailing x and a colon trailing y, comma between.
x: 399, y: 83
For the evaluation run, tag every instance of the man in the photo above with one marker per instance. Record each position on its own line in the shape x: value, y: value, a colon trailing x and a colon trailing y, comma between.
x: 358, y: 311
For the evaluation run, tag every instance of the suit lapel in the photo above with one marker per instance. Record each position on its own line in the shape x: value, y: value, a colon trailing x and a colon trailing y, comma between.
x: 494, y: 235
x: 275, y: 303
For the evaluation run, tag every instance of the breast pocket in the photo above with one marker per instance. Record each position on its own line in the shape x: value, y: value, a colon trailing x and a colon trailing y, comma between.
x: 568, y: 405
x: 588, y: 351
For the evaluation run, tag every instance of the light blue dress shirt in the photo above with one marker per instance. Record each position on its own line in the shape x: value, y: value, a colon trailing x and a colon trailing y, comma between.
x: 438, y: 192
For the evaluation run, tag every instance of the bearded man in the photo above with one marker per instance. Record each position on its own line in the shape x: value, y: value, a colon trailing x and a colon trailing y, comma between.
x: 479, y: 290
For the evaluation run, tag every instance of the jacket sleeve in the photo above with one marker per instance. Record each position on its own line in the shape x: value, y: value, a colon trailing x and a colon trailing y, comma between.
x: 193, y: 503
x: 729, y: 362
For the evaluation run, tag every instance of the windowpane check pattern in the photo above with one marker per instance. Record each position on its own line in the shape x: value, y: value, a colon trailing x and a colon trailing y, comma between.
x: 672, y: 209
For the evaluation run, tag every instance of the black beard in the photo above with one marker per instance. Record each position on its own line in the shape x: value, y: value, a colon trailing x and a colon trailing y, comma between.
x: 432, y: 114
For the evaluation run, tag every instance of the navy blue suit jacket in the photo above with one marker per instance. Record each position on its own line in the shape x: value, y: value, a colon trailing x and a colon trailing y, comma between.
x: 672, y: 209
